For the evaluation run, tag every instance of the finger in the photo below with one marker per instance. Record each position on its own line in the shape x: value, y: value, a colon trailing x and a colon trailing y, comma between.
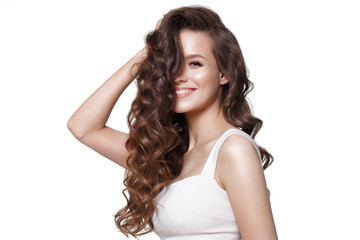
x: 158, y: 23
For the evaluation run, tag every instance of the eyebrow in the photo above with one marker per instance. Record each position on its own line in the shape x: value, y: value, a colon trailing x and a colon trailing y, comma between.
x: 194, y: 56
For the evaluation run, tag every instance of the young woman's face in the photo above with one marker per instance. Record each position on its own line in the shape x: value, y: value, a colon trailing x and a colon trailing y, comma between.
x: 198, y: 85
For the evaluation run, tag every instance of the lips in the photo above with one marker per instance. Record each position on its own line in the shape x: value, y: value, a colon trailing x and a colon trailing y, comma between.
x: 184, y: 92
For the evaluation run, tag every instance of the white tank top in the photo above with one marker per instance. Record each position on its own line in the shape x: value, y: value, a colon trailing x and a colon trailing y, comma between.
x: 197, y: 208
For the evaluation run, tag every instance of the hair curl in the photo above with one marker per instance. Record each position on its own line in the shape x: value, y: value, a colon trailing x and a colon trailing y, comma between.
x: 158, y: 136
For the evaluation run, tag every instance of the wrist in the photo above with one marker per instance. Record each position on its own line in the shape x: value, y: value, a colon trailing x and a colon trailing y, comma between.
x: 142, y: 53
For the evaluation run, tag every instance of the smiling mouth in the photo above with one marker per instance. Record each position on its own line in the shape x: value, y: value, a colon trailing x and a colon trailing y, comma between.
x: 184, y: 92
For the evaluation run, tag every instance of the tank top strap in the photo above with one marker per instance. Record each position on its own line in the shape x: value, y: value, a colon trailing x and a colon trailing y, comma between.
x: 210, y: 165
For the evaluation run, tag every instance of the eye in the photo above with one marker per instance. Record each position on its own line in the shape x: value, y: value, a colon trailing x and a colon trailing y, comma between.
x: 195, y: 64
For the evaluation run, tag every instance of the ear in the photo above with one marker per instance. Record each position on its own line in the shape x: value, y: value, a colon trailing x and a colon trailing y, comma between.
x: 222, y: 79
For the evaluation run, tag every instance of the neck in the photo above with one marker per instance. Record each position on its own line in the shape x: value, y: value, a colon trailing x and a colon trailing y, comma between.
x: 206, y: 125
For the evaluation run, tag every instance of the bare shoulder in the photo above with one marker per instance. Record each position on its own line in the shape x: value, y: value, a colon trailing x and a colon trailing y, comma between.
x: 238, y: 158
x: 238, y: 149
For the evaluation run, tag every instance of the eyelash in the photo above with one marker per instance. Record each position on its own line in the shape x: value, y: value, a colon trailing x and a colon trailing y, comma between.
x: 195, y: 64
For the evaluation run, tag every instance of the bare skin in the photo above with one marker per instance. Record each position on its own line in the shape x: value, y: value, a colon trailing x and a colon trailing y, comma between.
x: 88, y: 123
x: 199, y: 95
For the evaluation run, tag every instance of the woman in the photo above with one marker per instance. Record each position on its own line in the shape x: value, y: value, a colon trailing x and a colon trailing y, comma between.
x: 191, y: 172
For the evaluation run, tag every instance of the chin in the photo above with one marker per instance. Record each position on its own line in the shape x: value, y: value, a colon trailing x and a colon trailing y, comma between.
x: 181, y: 109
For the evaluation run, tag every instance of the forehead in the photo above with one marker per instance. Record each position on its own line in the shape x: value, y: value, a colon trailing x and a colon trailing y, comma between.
x: 193, y: 43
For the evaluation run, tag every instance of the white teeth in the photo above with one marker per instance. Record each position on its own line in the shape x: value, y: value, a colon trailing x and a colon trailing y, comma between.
x: 182, y: 91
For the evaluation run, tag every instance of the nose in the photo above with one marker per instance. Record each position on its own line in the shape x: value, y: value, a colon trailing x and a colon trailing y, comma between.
x: 182, y: 77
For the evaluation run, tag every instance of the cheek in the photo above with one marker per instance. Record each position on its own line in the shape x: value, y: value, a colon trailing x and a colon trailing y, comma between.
x: 199, y: 77
x: 205, y: 78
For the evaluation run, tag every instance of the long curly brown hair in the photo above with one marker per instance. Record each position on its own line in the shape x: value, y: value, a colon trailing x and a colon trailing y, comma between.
x: 158, y: 136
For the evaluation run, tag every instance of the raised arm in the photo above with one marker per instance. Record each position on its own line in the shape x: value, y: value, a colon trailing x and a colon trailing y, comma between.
x: 87, y: 124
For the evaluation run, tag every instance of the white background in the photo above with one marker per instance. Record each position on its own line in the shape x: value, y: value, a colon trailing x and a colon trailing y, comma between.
x: 303, y: 57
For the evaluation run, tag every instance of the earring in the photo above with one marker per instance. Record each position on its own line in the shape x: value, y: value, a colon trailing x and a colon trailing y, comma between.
x: 223, y: 82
